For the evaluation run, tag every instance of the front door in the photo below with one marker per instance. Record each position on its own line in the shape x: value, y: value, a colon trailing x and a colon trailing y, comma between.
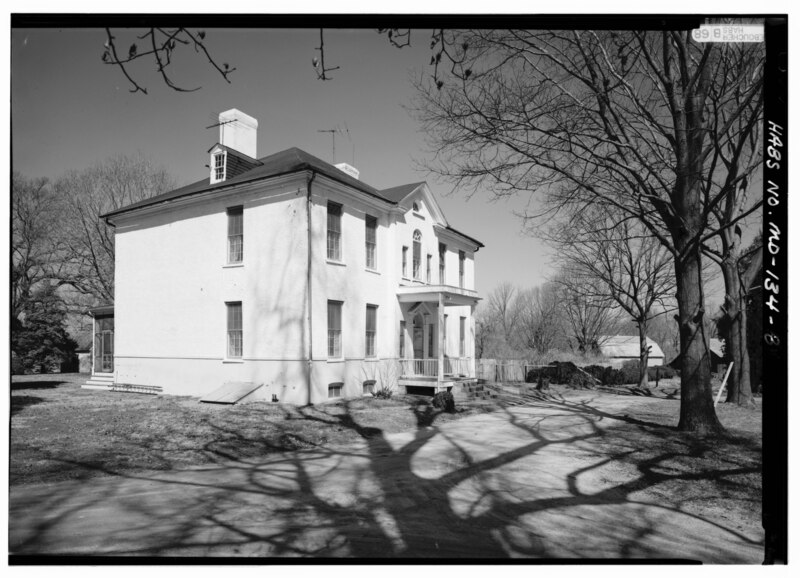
x: 419, y: 342
x: 104, y: 345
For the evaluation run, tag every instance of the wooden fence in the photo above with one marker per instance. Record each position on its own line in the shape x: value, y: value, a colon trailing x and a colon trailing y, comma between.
x: 503, y: 370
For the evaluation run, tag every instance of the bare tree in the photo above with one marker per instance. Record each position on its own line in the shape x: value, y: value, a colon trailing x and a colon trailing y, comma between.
x: 158, y: 45
x: 590, y: 312
x: 34, y: 250
x: 737, y: 152
x: 625, y: 261
x: 504, y: 314
x: 628, y: 119
x: 540, y: 318
x: 87, y: 242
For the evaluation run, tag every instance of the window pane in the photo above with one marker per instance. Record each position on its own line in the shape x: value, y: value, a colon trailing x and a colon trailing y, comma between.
x: 402, y: 339
x: 334, y: 329
x: 334, y: 231
x: 235, y: 235
x: 417, y: 255
x: 234, y: 329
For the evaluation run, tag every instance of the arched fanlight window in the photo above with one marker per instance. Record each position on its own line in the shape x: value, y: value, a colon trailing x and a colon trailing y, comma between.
x: 417, y: 258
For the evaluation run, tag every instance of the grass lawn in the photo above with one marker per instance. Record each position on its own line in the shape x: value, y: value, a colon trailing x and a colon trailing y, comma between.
x: 60, y: 431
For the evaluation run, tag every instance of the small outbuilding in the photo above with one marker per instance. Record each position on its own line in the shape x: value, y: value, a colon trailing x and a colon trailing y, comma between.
x: 621, y: 348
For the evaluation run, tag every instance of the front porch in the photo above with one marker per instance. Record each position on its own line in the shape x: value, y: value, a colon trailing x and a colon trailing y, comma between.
x: 426, y: 353
x: 415, y: 373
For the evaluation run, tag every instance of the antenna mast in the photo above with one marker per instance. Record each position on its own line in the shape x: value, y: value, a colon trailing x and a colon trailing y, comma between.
x: 333, y: 132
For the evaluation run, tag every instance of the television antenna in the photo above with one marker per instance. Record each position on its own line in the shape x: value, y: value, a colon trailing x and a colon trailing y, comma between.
x: 333, y: 132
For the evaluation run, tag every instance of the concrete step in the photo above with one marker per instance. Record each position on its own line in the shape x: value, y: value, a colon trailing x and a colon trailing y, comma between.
x: 99, y: 382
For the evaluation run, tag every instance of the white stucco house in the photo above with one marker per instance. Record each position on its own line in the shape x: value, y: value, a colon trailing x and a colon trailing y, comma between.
x: 289, y: 273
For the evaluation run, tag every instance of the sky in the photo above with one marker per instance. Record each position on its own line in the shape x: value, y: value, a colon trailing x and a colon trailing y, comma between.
x: 69, y: 110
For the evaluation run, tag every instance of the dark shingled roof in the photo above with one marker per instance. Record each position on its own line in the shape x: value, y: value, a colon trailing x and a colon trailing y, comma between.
x: 292, y: 160
x: 397, y: 194
x: 289, y: 161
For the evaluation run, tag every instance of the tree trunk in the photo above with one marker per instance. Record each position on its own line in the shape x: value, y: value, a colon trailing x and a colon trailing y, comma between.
x: 644, y: 354
x: 739, y: 390
x: 697, y: 405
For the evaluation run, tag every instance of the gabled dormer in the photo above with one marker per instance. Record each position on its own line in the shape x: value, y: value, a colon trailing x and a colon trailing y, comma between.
x: 235, y: 152
x: 226, y: 163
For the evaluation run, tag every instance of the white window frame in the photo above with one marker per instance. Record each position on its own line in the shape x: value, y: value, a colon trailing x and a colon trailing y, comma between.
x: 442, y: 263
x: 334, y: 334
x: 336, y: 211
x: 234, y: 332
x: 371, y: 336
x: 371, y: 247
x: 428, y: 269
x: 231, y: 212
x: 462, y: 336
x: 220, y: 168
x: 416, y: 256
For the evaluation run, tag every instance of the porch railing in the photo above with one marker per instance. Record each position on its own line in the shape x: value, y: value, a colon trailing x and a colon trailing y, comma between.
x: 453, y: 366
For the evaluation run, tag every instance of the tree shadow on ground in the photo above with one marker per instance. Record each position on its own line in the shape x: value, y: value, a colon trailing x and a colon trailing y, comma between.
x: 23, y: 385
x: 20, y: 402
x: 433, y: 492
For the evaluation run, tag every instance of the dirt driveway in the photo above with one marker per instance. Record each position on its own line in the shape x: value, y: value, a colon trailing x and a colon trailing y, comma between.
x: 557, y: 478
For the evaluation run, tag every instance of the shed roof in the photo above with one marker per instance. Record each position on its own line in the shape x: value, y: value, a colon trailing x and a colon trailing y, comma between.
x: 626, y: 346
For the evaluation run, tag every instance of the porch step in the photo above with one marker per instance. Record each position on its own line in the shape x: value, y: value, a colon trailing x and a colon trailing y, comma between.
x: 475, y: 391
x: 99, y: 382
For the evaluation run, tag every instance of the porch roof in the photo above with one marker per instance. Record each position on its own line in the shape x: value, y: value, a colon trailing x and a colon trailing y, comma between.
x: 452, y: 296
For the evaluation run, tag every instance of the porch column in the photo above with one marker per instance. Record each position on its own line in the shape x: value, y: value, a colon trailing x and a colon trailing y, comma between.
x: 472, y: 342
x: 440, y: 376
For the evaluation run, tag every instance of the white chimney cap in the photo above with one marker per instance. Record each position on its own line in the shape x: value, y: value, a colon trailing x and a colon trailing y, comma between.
x: 348, y: 169
x: 238, y: 131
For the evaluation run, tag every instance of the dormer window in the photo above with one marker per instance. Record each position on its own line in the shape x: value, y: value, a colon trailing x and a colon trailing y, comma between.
x: 218, y: 171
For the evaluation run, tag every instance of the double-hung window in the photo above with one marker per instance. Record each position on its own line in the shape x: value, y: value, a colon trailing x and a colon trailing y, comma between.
x: 334, y: 232
x: 372, y: 320
x: 405, y: 262
x: 219, y: 167
x: 235, y: 234
x: 442, y: 252
x: 462, y: 336
x: 371, y: 230
x: 417, y: 256
x: 335, y: 329
x: 234, y: 330
x: 428, y: 269
x: 462, y: 257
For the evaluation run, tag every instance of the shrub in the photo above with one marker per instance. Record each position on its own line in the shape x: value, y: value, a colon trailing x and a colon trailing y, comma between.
x: 630, y: 372
x: 660, y: 372
x: 444, y: 401
x: 383, y: 392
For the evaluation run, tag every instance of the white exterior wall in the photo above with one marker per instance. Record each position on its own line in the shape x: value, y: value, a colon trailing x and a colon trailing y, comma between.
x: 350, y: 282
x: 173, y: 280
